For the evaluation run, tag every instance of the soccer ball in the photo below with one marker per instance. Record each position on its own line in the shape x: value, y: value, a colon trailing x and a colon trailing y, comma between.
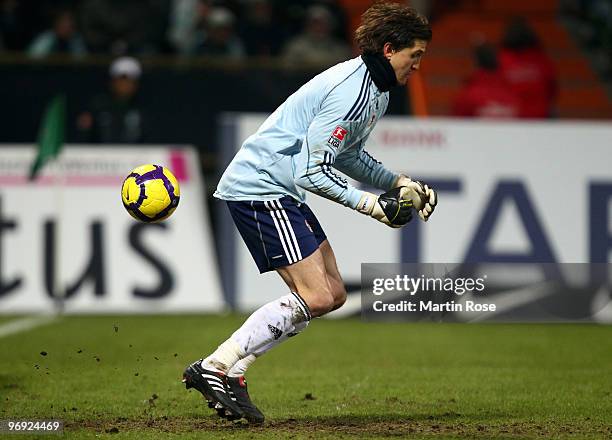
x: 150, y: 193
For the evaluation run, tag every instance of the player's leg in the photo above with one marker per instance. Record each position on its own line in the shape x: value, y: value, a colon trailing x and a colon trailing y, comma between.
x: 295, y: 275
x: 311, y: 298
x: 270, y: 325
x: 331, y: 268
x: 336, y: 282
x: 236, y: 376
x: 277, y: 236
x: 285, y: 236
x: 337, y: 289
x: 309, y: 280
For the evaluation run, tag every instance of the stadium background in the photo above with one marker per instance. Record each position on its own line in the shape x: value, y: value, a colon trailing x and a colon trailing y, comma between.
x: 75, y: 269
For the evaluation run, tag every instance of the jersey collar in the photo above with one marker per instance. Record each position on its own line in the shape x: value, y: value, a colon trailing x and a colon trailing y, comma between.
x: 381, y: 71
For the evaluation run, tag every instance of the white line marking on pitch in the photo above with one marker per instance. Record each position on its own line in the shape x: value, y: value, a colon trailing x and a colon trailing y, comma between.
x: 25, y: 324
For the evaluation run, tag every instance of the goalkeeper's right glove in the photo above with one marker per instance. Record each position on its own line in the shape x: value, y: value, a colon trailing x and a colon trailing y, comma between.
x: 423, y: 197
x: 391, y: 208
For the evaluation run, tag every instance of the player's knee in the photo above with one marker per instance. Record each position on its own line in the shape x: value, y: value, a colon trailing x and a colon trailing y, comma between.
x: 338, y: 291
x: 320, y: 303
x: 323, y: 305
x: 339, y: 296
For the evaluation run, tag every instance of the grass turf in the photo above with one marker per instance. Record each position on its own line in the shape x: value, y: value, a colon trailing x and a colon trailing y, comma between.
x: 119, y: 377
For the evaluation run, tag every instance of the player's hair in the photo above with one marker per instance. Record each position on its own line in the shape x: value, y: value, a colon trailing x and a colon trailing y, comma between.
x: 392, y: 23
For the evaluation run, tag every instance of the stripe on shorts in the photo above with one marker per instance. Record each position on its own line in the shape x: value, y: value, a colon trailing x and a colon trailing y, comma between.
x: 281, y: 229
x: 290, y: 227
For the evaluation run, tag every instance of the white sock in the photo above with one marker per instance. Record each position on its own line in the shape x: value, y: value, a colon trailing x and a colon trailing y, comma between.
x: 267, y: 324
x: 226, y: 355
x: 240, y: 367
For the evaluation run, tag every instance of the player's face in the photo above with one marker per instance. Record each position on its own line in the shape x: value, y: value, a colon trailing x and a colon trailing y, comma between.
x: 407, y: 60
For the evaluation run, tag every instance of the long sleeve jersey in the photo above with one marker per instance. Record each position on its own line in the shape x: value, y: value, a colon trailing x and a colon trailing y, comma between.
x: 320, y: 128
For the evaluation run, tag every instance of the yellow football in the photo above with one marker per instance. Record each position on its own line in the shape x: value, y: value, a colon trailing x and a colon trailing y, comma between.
x: 150, y: 193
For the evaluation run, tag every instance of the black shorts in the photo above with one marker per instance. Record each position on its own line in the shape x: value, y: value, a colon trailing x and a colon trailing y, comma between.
x: 277, y: 232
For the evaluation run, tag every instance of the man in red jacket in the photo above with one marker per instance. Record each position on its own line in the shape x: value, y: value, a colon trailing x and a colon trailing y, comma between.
x: 486, y: 93
x: 529, y: 70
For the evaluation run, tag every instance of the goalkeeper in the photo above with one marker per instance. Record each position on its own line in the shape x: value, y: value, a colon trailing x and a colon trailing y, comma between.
x: 320, y: 129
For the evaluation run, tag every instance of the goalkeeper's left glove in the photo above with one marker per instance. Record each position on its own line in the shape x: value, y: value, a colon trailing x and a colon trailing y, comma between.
x: 422, y: 196
x: 391, y: 208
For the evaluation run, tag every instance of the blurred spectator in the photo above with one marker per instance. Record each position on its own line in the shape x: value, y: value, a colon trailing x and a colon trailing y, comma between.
x: 294, y: 13
x: 600, y: 14
x: 15, y: 25
x: 116, y: 116
x: 220, y: 38
x: 259, y: 30
x: 316, y: 44
x: 187, y: 21
x: 486, y: 93
x: 22, y: 20
x: 124, y: 26
x: 591, y: 21
x: 62, y: 38
x: 529, y: 70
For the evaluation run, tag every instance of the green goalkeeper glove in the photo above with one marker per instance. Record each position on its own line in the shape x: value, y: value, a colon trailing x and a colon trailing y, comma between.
x: 391, y: 208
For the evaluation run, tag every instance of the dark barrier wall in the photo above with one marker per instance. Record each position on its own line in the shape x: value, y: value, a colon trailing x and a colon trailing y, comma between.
x: 181, y: 102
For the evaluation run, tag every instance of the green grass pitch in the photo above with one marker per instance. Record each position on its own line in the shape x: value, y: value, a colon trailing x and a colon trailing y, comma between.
x: 119, y: 377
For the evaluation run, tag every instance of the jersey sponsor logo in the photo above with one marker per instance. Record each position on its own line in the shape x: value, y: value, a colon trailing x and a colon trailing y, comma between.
x: 339, y: 133
x: 337, y: 137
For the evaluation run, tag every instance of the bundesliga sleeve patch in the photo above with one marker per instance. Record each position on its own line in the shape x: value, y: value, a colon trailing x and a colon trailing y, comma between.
x: 337, y: 137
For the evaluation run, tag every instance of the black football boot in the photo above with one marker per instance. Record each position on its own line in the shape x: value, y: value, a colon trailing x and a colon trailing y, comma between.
x: 238, y: 391
x: 214, y: 388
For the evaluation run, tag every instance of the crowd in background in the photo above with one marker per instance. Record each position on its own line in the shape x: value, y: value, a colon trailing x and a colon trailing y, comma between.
x: 516, y: 80
x: 312, y: 31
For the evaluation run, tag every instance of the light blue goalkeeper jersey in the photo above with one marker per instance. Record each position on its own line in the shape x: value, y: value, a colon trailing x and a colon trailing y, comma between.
x: 321, y: 127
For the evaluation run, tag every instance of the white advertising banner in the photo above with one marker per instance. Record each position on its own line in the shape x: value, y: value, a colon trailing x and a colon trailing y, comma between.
x: 509, y: 192
x: 66, y: 235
